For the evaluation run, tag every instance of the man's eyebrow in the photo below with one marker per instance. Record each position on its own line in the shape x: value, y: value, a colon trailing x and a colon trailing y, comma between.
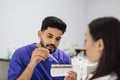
x: 52, y: 35
x: 59, y: 37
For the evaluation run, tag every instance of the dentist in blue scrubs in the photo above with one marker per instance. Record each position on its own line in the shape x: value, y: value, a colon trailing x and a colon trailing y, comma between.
x: 33, y: 61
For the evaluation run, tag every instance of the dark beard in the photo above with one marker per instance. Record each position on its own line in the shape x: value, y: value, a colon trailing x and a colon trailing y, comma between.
x: 42, y: 45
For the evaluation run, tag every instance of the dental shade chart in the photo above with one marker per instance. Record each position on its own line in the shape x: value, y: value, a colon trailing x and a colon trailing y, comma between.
x: 60, y: 69
x: 63, y: 69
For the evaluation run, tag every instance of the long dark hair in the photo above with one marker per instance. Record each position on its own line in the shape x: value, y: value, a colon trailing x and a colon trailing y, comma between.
x: 107, y: 29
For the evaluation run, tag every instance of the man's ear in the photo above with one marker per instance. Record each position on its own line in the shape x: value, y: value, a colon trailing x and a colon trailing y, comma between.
x: 39, y: 34
x: 100, y: 45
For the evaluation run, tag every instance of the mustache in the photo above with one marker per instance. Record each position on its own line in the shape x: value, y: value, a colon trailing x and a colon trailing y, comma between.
x: 51, y: 45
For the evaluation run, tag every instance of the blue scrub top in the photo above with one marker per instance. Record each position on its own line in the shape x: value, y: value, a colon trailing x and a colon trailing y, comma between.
x: 21, y: 59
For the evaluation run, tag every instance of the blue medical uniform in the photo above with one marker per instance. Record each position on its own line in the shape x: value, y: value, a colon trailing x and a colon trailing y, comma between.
x: 21, y: 59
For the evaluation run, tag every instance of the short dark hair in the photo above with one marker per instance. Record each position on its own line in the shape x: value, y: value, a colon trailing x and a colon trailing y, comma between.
x: 54, y: 22
x: 107, y: 29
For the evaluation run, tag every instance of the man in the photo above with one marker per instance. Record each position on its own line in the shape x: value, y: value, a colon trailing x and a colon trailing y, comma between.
x: 33, y: 62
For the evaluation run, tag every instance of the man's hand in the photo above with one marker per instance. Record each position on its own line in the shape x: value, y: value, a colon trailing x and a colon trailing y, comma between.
x: 71, y: 76
x: 38, y: 55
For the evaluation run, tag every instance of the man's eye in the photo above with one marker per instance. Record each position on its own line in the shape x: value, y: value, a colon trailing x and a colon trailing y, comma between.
x: 58, y: 39
x: 49, y: 36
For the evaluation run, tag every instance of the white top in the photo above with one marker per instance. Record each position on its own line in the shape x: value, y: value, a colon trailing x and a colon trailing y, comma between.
x: 111, y: 76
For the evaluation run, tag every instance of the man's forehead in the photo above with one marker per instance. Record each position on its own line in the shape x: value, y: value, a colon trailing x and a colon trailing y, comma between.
x: 53, y: 31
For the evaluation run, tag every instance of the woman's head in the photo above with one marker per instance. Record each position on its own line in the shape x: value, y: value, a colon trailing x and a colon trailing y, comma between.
x: 105, y: 33
x: 103, y: 43
x: 94, y: 49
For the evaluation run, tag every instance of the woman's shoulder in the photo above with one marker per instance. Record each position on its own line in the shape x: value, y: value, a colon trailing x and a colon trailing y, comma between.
x: 112, y: 76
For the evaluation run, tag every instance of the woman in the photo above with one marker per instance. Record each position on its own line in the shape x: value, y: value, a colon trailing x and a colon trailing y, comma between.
x: 103, y: 46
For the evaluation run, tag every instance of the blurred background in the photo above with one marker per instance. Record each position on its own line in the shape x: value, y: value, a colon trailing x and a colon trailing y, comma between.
x: 20, y: 21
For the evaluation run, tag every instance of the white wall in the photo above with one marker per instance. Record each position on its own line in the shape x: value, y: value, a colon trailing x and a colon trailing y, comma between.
x: 100, y: 8
x: 20, y: 21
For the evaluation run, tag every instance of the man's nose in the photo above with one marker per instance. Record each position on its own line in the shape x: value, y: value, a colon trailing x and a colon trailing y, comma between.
x: 53, y: 41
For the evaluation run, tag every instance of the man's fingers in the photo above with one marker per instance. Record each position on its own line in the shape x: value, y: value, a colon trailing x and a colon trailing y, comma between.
x: 38, y: 45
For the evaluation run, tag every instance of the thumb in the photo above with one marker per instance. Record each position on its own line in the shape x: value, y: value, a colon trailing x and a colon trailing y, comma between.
x: 39, y: 45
